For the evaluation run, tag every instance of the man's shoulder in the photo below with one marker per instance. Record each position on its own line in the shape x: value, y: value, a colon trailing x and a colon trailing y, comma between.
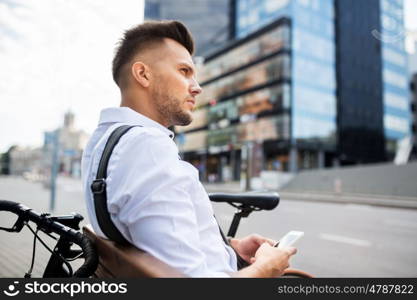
x: 141, y: 147
x: 145, y: 138
x: 146, y: 135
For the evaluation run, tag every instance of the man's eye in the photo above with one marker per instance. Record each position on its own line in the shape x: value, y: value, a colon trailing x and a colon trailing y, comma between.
x: 184, y: 70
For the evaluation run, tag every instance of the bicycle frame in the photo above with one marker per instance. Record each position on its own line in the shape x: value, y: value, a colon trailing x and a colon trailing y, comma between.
x: 55, y: 267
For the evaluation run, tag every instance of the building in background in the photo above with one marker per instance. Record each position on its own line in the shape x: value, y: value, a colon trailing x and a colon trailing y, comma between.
x: 360, y: 82
x: 270, y: 94
x: 362, y: 54
x: 245, y: 105
x: 396, y: 99
x: 411, y: 48
x: 208, y: 20
x: 25, y: 160
x: 69, y: 144
x: 325, y: 85
x: 5, y: 161
x: 66, y: 142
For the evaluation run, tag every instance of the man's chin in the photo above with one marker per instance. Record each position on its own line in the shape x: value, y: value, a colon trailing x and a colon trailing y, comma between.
x: 184, y: 123
x: 184, y: 119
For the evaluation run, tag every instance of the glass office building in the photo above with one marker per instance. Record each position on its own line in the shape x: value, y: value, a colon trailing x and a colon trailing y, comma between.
x: 274, y: 87
x: 313, y: 78
x: 306, y: 84
x: 374, y: 109
x: 246, y: 99
x: 208, y: 20
x: 359, y: 82
x: 397, y: 115
x: 249, y: 99
x: 348, y: 50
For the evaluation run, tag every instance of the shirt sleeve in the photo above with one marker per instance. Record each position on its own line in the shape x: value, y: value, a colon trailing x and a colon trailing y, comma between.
x: 149, y: 196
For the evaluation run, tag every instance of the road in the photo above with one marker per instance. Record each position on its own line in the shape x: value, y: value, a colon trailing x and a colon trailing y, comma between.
x: 341, y: 240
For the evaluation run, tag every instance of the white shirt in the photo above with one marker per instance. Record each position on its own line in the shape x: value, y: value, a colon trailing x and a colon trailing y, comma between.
x: 155, y: 199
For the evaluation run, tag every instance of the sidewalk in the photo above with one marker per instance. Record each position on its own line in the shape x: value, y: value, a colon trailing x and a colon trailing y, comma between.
x: 376, y: 200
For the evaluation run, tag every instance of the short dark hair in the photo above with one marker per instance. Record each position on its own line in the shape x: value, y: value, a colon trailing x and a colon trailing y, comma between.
x: 142, y: 36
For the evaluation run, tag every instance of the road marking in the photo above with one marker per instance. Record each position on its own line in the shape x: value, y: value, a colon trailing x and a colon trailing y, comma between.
x: 359, y: 206
x: 292, y: 210
x: 344, y: 239
x: 401, y: 223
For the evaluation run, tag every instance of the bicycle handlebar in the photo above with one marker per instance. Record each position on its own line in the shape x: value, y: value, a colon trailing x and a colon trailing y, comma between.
x: 46, y: 224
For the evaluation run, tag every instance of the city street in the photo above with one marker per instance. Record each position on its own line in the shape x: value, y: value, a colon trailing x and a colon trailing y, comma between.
x: 341, y: 240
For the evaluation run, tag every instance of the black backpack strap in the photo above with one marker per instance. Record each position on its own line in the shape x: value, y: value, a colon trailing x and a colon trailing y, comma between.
x: 98, y: 187
x: 241, y: 263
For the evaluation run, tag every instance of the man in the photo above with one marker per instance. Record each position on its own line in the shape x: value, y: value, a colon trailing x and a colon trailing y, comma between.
x: 155, y: 199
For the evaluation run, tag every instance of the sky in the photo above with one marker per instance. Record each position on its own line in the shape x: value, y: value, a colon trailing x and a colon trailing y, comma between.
x: 55, y: 56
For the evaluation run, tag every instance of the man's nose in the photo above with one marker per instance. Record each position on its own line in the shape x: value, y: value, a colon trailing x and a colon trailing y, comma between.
x: 195, y: 88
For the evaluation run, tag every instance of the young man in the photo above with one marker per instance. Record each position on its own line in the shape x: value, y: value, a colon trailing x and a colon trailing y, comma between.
x: 155, y: 199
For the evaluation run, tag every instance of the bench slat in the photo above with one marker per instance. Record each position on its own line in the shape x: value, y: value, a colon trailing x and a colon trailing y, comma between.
x: 127, y: 261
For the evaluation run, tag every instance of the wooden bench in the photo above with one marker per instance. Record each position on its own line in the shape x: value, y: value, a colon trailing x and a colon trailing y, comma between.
x: 117, y: 261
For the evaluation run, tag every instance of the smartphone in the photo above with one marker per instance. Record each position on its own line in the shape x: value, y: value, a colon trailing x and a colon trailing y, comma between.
x: 289, y: 239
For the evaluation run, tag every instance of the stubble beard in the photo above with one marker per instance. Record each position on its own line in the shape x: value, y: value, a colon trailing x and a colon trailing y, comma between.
x: 170, y: 109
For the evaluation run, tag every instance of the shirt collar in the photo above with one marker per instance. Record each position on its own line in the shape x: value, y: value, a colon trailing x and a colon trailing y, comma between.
x: 129, y: 116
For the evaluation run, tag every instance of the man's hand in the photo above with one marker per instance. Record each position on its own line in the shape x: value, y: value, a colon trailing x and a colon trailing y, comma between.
x: 248, y: 246
x: 271, y: 260
x: 268, y: 262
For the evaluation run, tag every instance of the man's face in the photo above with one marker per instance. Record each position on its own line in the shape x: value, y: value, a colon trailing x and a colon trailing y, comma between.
x: 174, y: 86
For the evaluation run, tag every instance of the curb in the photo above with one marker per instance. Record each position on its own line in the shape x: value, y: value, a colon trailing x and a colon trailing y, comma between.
x: 374, y: 200
x: 343, y: 199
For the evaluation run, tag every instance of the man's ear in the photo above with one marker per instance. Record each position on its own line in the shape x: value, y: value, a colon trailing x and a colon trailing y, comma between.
x: 140, y: 73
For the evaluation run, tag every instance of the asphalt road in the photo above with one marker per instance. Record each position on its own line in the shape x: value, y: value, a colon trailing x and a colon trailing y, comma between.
x: 341, y: 240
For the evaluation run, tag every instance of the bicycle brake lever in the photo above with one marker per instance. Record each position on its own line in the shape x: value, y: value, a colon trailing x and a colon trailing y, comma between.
x: 17, y: 227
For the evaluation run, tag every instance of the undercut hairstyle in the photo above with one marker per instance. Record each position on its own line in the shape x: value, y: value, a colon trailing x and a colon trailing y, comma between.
x: 143, y: 36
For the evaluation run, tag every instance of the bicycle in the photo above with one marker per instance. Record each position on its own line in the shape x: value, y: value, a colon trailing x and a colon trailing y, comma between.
x: 104, y: 258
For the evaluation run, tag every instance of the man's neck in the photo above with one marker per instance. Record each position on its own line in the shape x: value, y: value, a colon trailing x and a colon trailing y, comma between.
x: 142, y: 105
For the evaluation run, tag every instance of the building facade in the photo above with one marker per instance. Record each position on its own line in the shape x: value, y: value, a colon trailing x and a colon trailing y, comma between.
x: 395, y: 92
x: 245, y: 103
x: 313, y: 78
x: 306, y: 84
x: 69, y: 144
x: 257, y: 92
x: 208, y: 20
x: 359, y: 82
x: 25, y: 160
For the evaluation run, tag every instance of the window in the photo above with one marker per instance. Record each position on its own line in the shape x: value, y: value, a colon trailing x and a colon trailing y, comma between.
x: 268, y: 43
x: 314, y: 101
x: 265, y: 72
x: 396, y: 123
x: 394, y: 57
x: 307, y: 128
x: 394, y: 78
x: 193, y: 141
x: 396, y: 101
